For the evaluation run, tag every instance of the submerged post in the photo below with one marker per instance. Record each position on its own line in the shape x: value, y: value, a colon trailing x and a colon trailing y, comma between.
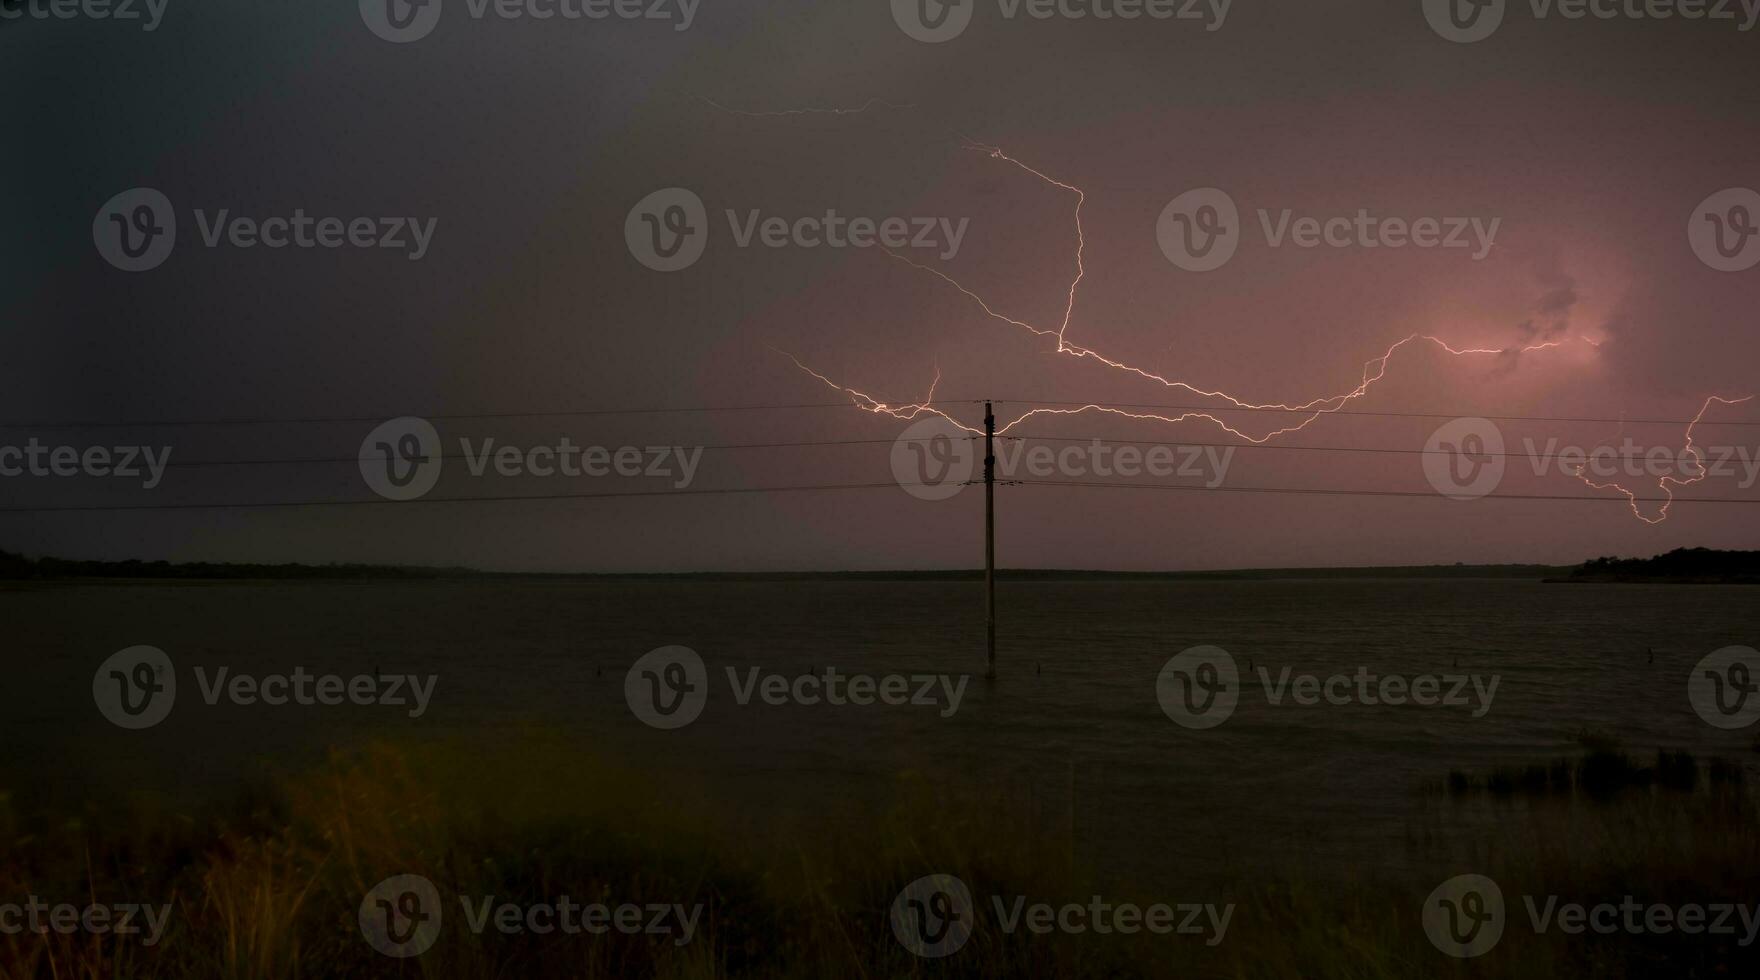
x: 990, y: 540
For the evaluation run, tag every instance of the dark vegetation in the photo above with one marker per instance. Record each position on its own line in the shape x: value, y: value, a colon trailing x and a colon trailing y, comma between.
x: 268, y: 887
x: 1603, y: 773
x: 1682, y: 565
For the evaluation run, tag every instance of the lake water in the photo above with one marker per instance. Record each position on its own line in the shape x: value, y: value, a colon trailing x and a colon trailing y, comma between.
x: 1074, y: 717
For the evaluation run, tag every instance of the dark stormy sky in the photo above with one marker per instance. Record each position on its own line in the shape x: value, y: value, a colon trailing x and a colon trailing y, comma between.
x: 1590, y: 141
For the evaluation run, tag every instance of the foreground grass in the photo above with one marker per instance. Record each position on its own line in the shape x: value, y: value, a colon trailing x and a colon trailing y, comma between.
x: 269, y: 887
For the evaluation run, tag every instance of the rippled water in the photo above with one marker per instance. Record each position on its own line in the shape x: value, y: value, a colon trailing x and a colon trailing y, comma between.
x: 1073, y: 719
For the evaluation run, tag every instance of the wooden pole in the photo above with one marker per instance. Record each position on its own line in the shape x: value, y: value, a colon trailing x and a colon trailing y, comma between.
x: 990, y: 539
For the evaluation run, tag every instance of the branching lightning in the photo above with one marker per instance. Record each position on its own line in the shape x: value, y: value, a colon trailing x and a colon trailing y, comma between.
x: 1305, y: 413
x: 1666, y: 482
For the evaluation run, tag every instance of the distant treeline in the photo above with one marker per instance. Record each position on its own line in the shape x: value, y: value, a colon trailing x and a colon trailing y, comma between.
x: 17, y: 567
x: 1686, y: 565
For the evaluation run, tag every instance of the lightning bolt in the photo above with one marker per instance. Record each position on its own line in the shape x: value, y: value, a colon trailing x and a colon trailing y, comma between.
x: 1664, y: 483
x: 1374, y: 370
x: 868, y: 403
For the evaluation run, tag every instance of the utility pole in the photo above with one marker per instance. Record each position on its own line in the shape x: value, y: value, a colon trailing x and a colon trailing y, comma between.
x: 990, y: 539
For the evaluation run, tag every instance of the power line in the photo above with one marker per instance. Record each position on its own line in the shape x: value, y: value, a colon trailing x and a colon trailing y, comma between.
x: 1397, y: 415
x: 1286, y: 448
x: 822, y: 443
x: 262, y: 505
x: 488, y: 454
x: 1318, y: 491
x: 705, y: 410
x: 1341, y: 492
x: 446, y: 417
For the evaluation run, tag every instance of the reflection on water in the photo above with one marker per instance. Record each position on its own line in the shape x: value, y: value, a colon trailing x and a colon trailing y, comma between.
x: 1072, y: 728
